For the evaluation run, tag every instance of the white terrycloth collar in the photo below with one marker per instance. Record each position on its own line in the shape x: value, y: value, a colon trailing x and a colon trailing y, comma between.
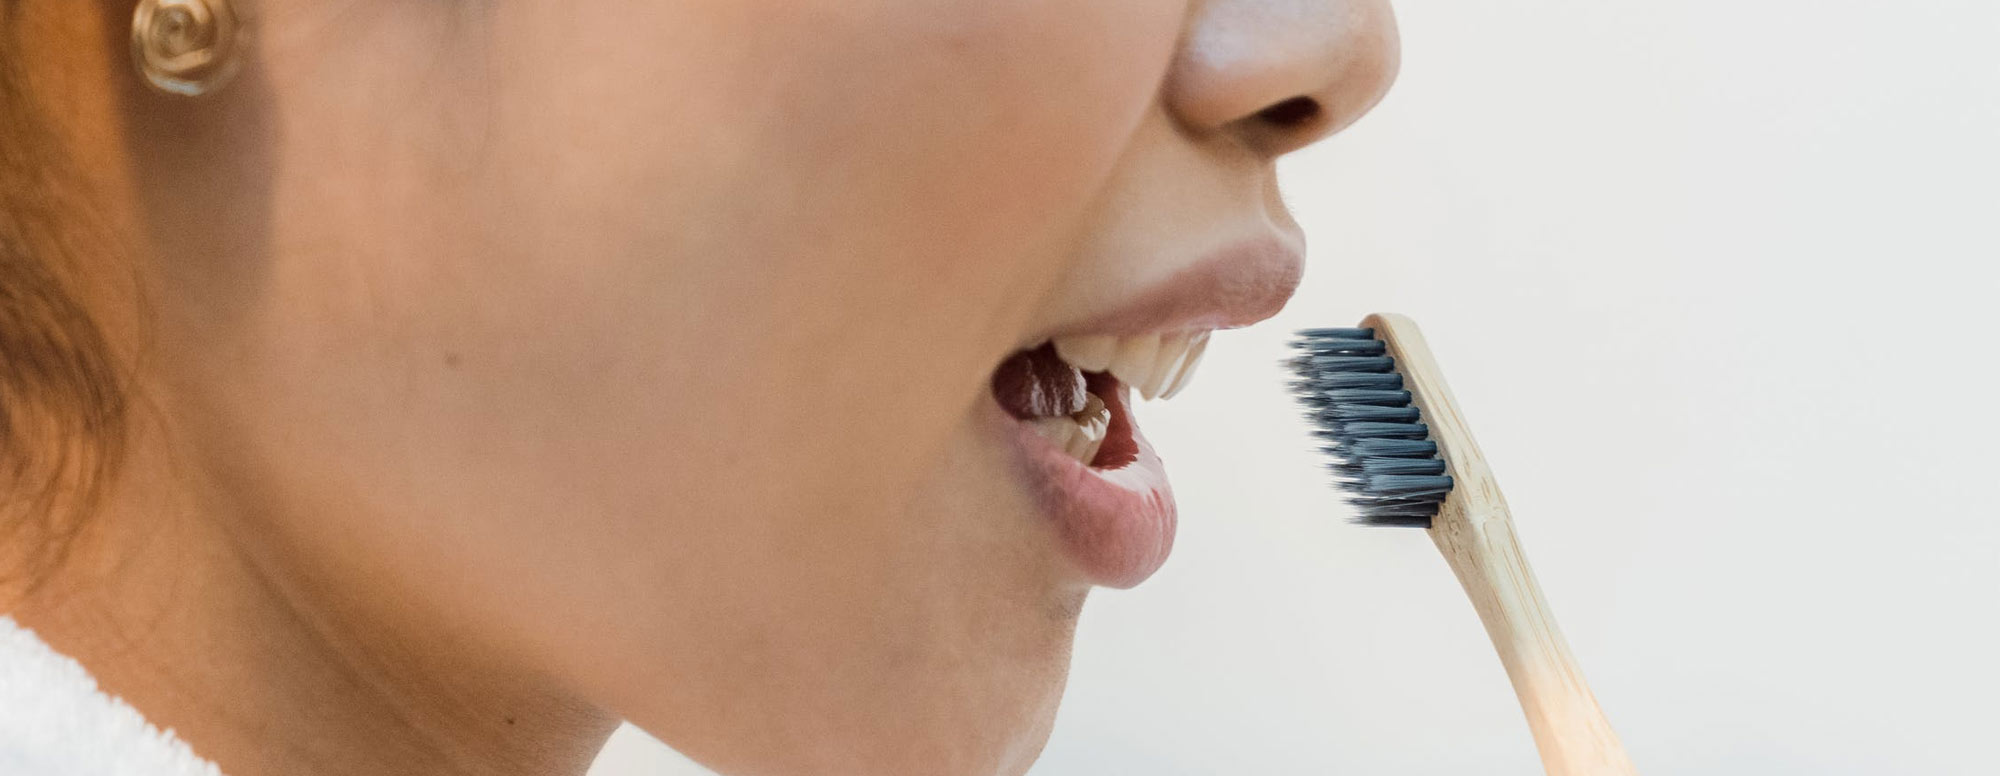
x: 55, y: 722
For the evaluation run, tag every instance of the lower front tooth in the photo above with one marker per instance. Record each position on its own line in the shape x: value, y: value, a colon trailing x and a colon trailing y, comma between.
x: 1060, y: 430
x: 1081, y: 448
x: 1095, y: 419
x: 1092, y: 424
x: 1087, y: 451
x: 1079, y: 435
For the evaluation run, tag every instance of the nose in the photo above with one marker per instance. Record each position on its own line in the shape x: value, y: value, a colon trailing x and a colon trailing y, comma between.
x: 1278, y: 75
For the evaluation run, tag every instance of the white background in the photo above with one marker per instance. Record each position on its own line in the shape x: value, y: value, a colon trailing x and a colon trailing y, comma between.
x: 1714, y: 280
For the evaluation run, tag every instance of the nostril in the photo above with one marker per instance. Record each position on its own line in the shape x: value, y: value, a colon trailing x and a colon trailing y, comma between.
x: 1295, y: 112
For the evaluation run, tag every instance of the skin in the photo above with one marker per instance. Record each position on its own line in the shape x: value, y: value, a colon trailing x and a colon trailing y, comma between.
x: 508, y: 369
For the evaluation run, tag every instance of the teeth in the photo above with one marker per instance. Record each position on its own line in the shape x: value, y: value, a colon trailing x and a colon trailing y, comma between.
x: 1155, y: 365
x: 1059, y: 430
x: 1089, y: 352
x: 1186, y: 369
x: 1134, y: 363
x: 1173, y: 350
x: 1081, y: 434
x: 1093, y: 422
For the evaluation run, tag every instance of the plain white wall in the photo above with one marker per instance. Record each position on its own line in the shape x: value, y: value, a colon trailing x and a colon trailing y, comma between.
x: 1714, y: 283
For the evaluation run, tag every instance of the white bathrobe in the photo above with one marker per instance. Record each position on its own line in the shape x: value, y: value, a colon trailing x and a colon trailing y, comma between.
x: 55, y: 722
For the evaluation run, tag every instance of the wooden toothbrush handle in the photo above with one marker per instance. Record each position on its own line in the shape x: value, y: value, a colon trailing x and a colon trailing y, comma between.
x: 1570, y: 730
x: 1476, y: 534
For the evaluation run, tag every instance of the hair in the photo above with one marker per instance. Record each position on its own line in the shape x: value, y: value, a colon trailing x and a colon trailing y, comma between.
x: 62, y: 405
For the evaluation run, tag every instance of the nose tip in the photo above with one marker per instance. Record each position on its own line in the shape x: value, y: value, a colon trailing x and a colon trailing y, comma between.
x: 1281, y: 74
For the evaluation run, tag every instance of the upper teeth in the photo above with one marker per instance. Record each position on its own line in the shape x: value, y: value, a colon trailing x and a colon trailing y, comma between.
x: 1153, y: 364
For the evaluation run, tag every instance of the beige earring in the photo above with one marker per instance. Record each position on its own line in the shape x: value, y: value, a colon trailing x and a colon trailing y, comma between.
x: 188, y: 47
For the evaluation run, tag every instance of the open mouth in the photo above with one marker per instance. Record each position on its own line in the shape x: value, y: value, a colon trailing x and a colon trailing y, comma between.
x: 1098, y: 479
x: 1071, y: 389
x: 1063, y: 406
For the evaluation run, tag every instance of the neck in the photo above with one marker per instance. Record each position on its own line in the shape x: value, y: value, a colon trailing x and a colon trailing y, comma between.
x: 173, y: 605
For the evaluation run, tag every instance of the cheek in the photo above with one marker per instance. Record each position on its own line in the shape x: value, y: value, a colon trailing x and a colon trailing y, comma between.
x: 752, y: 257
x: 706, y: 302
x: 827, y: 221
x: 833, y: 195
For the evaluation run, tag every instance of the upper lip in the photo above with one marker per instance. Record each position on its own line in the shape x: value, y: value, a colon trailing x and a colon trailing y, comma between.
x: 1240, y: 284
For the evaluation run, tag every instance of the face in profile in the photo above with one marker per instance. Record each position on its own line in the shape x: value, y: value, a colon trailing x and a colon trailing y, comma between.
x: 756, y: 371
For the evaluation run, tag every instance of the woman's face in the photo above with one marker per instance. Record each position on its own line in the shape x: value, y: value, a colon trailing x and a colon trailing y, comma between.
x: 654, y: 344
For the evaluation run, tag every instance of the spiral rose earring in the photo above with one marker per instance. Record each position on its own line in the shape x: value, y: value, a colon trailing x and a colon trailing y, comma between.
x: 187, y: 47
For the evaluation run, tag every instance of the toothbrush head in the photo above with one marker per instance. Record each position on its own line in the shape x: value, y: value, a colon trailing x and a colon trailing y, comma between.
x: 1384, y: 458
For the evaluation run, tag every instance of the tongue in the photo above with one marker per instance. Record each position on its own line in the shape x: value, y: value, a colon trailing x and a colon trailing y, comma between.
x: 1038, y: 384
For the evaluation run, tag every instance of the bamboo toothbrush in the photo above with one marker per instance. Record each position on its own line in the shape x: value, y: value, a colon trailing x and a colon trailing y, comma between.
x: 1405, y: 457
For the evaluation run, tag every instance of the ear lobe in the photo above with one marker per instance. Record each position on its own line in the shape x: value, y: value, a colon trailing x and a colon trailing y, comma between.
x: 187, y: 47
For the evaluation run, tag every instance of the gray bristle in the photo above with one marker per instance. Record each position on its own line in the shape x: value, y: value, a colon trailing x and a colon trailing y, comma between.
x: 1384, y: 461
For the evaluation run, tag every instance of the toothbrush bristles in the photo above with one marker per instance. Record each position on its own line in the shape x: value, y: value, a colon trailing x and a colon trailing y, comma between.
x: 1384, y: 460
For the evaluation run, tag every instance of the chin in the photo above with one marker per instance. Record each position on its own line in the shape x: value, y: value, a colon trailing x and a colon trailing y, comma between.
x: 994, y: 727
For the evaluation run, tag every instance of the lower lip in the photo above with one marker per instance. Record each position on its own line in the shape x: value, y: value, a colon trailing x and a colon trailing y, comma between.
x: 1118, y: 525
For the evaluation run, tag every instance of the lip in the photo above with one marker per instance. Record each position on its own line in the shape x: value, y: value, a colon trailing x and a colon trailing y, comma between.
x: 1118, y: 525
x: 1239, y: 285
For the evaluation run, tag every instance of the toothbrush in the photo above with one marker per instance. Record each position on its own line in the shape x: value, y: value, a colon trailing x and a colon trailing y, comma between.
x: 1405, y: 457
